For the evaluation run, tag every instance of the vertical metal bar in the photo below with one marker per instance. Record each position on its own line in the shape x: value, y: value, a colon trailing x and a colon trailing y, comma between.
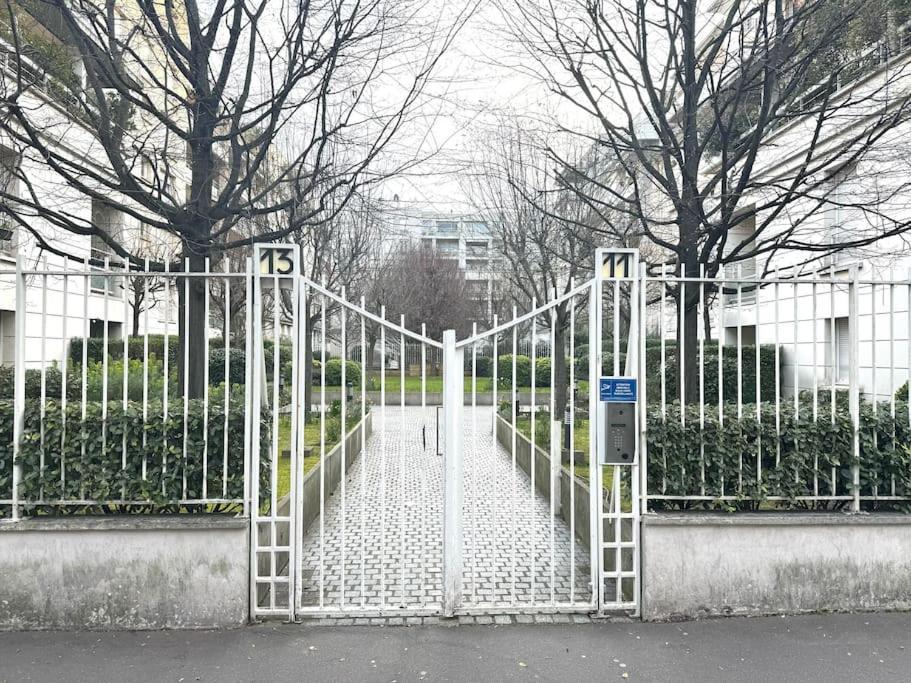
x: 853, y: 384
x: 756, y: 331
x: 473, y: 498
x: 512, y: 483
x: 164, y: 390
x: 777, y: 376
x: 105, y: 365
x: 249, y: 416
x: 873, y: 370
x: 834, y: 354
x: 555, y: 479
x: 363, y: 452
x: 423, y: 474
x: 205, y: 382
x: 86, y: 286
x: 322, y: 452
x: 227, y: 384
x: 643, y: 375
x: 296, y: 479
x: 740, y: 372
x: 275, y: 455
x: 892, y: 367
x: 255, y: 372
x: 383, y: 457
x: 701, y: 336
x: 18, y: 384
x: 43, y: 390
x: 453, y: 389
x: 494, y: 452
x: 343, y: 449
x: 402, y: 440
x: 125, y: 288
x: 185, y: 342
x: 594, y: 481
x: 572, y: 447
x: 531, y: 456
x: 64, y: 365
x: 145, y: 368
x: 720, y: 287
x: 662, y: 326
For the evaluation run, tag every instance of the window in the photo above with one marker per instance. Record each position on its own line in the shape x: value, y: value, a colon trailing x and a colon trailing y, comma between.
x: 838, y: 350
x: 7, y: 337
x: 837, y: 220
x: 448, y: 227
x: 742, y: 239
x: 108, y: 220
x: 9, y: 187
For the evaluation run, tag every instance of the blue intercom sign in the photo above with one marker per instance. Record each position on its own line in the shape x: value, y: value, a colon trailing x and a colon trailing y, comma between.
x: 618, y: 389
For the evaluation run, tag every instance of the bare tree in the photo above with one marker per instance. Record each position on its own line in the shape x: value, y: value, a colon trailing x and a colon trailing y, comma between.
x: 541, y: 228
x: 145, y: 292
x: 185, y: 103
x: 336, y: 254
x: 717, y: 131
x: 426, y: 287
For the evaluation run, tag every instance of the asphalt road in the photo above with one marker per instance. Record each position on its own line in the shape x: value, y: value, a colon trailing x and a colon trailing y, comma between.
x: 863, y: 647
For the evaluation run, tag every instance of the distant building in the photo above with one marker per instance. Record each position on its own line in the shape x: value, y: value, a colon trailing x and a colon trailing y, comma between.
x: 461, y: 237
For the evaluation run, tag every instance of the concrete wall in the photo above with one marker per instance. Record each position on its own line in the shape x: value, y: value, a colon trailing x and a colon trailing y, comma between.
x: 578, y: 499
x: 705, y: 564
x: 124, y: 573
x: 333, y: 464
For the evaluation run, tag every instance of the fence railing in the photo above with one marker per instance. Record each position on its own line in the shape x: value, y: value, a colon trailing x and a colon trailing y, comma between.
x: 97, y: 413
x: 796, y: 398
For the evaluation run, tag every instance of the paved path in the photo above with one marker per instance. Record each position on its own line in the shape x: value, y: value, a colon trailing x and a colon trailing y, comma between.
x: 860, y: 647
x: 395, y: 493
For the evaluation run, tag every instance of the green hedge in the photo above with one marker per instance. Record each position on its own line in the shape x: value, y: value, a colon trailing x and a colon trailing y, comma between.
x: 734, y: 449
x: 90, y: 462
x: 334, y: 372
x: 504, y: 371
x: 729, y: 370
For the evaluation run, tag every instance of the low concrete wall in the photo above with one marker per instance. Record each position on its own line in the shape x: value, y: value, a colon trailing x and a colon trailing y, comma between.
x: 124, y: 572
x: 333, y: 464
x: 706, y: 564
x: 580, y: 491
x: 333, y: 474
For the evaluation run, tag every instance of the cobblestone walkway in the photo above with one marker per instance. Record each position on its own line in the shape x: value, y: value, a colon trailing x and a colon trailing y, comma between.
x: 385, y: 539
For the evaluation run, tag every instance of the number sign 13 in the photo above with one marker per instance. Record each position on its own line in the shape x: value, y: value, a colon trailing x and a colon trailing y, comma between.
x: 278, y: 260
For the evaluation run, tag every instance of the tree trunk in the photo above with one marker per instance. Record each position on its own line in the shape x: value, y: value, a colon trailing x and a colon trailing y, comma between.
x: 137, y: 309
x: 192, y: 307
x: 561, y: 374
x: 687, y: 342
x: 308, y: 362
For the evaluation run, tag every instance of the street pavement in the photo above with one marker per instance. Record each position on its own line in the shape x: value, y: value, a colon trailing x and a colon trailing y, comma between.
x: 858, y: 647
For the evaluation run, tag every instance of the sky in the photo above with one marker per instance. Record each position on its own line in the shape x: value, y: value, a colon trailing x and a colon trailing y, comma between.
x: 476, y: 81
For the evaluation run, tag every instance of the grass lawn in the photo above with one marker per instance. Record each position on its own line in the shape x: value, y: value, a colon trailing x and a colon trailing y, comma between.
x: 580, y: 442
x: 311, y: 440
x: 435, y: 384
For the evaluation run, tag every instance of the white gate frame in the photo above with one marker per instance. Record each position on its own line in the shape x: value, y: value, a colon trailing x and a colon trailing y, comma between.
x: 453, y: 488
x: 615, y: 515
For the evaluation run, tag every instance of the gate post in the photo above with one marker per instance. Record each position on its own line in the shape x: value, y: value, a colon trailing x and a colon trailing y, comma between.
x: 453, y: 390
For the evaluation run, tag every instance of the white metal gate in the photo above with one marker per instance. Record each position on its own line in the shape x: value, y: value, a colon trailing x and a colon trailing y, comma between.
x: 354, y: 510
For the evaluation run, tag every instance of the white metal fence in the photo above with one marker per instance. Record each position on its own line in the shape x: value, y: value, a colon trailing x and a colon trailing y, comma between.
x: 786, y: 391
x: 95, y: 415
x: 798, y: 399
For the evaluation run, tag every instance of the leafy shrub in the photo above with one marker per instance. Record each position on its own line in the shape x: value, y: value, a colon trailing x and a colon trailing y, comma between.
x: 334, y: 372
x: 483, y: 365
x: 90, y: 463
x: 504, y: 371
x: 730, y: 363
x: 542, y: 372
x: 734, y: 449
x: 237, y: 369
